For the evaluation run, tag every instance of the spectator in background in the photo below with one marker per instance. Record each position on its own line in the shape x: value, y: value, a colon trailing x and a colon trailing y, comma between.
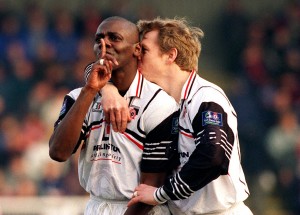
x: 232, y: 25
x: 37, y: 30
x: 282, y: 144
x: 64, y: 36
x: 10, y: 32
x: 88, y: 21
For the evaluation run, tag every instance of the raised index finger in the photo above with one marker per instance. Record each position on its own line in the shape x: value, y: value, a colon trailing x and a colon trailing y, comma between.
x: 103, y: 53
x: 103, y: 48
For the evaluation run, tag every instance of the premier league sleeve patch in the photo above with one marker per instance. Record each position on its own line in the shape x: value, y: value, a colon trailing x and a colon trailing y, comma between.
x: 212, y: 118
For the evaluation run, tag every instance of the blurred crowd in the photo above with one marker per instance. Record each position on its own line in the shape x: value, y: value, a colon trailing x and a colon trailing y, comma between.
x: 42, y: 57
x: 263, y: 56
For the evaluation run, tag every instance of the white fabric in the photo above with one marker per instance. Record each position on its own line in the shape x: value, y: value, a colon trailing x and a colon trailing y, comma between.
x: 226, y: 190
x: 97, y: 206
x: 110, y: 162
x: 237, y: 209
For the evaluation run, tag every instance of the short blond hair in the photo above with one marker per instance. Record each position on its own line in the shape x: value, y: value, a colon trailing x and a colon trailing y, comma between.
x: 176, y: 33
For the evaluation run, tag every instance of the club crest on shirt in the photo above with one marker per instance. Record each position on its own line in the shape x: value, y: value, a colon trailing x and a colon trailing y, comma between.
x: 97, y: 107
x: 133, y: 111
x: 212, y: 118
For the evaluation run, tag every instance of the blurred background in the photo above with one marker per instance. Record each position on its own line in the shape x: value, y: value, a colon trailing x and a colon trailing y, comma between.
x: 251, y: 49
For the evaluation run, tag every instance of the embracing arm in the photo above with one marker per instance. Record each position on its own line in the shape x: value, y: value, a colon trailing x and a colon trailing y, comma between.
x: 214, y: 139
x: 151, y: 179
x: 204, y: 165
x: 207, y: 162
x: 168, y: 130
x: 115, y: 108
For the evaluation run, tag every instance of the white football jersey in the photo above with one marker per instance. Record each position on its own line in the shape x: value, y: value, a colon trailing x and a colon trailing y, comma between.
x: 210, y: 178
x: 110, y: 163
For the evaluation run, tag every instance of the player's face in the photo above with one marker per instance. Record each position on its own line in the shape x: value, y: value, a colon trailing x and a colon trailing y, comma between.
x: 153, y: 61
x: 117, y: 39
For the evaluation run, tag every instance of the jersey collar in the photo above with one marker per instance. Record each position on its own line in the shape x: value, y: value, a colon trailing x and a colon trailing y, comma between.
x: 186, y: 89
x: 135, y: 89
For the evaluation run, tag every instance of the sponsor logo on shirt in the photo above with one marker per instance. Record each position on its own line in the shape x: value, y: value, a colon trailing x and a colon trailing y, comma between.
x: 184, y: 154
x: 212, y: 118
x: 106, y: 152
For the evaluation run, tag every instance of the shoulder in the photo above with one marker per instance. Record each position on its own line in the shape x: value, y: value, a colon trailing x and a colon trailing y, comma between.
x: 74, y: 93
x: 159, y: 97
x: 207, y: 91
x: 158, y: 106
x: 152, y: 88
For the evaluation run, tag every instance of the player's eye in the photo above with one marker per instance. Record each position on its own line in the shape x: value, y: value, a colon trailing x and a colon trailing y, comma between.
x: 98, y: 38
x: 114, y: 37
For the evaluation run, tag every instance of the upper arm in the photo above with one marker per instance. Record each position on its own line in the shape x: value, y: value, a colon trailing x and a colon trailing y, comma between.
x: 66, y: 106
x: 153, y: 179
x: 214, y: 125
x: 68, y: 102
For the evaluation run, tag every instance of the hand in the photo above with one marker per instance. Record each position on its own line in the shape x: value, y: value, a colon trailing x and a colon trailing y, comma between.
x: 98, y: 76
x: 115, y: 108
x: 101, y: 72
x: 144, y: 194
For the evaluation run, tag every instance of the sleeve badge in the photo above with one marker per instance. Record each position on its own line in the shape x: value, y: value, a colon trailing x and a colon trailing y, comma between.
x: 212, y: 118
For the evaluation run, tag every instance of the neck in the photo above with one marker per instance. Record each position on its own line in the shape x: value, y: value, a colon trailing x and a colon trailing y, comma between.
x: 172, y: 82
x: 122, y: 79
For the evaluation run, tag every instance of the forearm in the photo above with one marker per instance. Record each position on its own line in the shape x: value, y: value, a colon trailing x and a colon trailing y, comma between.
x: 152, y: 179
x: 138, y: 208
x: 108, y: 89
x: 115, y: 108
x: 204, y: 165
x: 66, y: 135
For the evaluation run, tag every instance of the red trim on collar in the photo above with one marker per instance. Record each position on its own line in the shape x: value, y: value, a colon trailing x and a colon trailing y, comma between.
x: 139, y: 83
x: 189, y: 84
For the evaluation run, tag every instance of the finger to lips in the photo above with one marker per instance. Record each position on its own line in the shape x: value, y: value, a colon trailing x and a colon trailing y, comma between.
x: 103, y: 48
x: 103, y: 53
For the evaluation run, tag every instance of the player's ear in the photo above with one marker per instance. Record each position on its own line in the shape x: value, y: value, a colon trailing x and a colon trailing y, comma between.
x: 172, y: 55
x: 137, y: 50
